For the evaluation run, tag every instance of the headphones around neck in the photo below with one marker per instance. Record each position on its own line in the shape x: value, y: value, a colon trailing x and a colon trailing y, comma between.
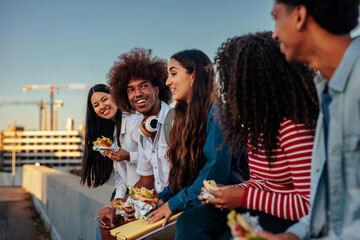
x: 148, y: 126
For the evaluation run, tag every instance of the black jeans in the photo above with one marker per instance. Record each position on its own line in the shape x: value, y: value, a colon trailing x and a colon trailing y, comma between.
x: 204, y: 222
x: 208, y: 222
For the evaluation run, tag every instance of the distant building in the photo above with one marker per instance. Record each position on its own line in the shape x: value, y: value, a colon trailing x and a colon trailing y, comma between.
x: 61, y: 149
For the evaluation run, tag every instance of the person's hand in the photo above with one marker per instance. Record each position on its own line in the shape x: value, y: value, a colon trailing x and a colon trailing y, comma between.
x: 281, y: 236
x: 112, y: 203
x: 130, y: 215
x: 229, y: 197
x: 107, y: 219
x: 162, y: 212
x: 121, y: 155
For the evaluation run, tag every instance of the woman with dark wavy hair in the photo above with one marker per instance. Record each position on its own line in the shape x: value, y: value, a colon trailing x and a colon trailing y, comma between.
x: 270, y: 110
x: 195, y: 151
x: 104, y: 118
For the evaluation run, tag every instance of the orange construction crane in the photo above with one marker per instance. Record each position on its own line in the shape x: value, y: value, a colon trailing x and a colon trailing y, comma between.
x: 42, y: 105
x: 51, y: 88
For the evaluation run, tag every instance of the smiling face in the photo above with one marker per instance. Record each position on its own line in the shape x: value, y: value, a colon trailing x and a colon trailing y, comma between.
x: 179, y: 81
x: 103, y: 105
x: 288, y: 30
x: 144, y: 97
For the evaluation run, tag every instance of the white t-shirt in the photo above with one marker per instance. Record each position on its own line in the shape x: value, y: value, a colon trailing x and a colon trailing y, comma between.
x: 152, y: 155
x: 127, y: 176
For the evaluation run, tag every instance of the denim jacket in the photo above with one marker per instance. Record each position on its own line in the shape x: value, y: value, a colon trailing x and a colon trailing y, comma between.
x: 335, y: 206
x: 217, y: 167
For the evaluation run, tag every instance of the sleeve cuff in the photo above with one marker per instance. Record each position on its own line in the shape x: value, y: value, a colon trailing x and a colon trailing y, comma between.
x: 300, y: 230
x: 133, y: 158
x: 245, y: 196
x: 120, y: 192
x: 166, y: 194
x: 174, y: 205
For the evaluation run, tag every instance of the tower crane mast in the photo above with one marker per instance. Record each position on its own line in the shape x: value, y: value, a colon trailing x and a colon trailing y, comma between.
x: 41, y: 104
x: 70, y: 86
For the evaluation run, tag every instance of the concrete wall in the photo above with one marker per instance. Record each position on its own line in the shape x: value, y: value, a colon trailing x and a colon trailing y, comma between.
x: 67, y: 208
x: 6, y: 178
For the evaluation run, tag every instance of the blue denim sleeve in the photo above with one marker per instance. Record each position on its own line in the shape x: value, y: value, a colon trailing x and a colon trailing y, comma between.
x: 301, y: 228
x: 166, y: 194
x: 217, y: 167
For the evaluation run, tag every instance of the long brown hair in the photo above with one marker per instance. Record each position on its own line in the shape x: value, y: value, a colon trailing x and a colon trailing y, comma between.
x: 188, y: 134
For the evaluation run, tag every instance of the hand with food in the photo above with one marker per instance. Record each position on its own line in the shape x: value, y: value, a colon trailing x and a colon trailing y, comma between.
x: 108, y: 219
x: 229, y: 197
x: 121, y: 155
x: 243, y: 227
x: 205, y: 191
x: 103, y: 142
x: 144, y: 195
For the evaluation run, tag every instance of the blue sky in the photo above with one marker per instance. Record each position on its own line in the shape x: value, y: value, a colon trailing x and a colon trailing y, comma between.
x: 59, y: 42
x: 77, y: 41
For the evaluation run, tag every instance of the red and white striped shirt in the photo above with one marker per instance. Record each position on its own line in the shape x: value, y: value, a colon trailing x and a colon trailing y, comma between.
x: 283, y: 189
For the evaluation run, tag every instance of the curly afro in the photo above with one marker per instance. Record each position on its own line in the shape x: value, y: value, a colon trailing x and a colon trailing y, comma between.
x: 138, y: 63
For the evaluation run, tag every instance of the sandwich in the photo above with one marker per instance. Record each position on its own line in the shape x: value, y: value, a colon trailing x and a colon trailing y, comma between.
x: 144, y: 195
x: 242, y: 227
x: 210, y: 184
x: 121, y: 206
x: 103, y: 142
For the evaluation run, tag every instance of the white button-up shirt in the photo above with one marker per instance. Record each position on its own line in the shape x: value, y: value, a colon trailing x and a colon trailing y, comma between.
x: 126, y: 175
x: 152, y: 155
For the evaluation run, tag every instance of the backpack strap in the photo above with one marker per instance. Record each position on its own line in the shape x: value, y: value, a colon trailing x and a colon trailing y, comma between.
x: 142, y: 140
x: 167, y: 127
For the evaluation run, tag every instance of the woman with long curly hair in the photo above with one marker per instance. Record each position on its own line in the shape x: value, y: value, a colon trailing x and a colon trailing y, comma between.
x: 270, y: 110
x: 195, y: 151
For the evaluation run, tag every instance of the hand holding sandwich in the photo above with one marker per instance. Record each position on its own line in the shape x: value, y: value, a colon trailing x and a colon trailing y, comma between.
x: 229, y: 197
x: 121, y: 155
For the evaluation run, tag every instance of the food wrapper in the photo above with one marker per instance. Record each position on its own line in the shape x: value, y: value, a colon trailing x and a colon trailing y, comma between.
x: 140, y: 207
x: 208, y: 184
x: 206, y: 195
x: 102, y: 149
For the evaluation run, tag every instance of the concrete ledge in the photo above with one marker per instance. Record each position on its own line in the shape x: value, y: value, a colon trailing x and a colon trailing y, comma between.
x: 67, y: 208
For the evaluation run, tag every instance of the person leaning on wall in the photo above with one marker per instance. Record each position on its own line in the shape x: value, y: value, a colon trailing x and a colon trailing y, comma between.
x: 270, y: 109
x: 317, y: 32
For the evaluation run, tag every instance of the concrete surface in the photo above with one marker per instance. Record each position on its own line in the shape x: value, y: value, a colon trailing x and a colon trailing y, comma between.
x: 68, y: 208
x: 16, y: 214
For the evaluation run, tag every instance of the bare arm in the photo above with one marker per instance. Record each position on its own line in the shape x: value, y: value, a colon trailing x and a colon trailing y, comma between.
x: 145, y: 181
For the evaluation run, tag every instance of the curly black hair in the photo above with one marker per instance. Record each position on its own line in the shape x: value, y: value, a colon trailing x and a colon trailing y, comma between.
x: 138, y: 63
x: 259, y: 88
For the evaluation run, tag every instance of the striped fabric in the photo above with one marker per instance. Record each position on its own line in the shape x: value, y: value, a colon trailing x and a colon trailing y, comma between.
x: 283, y: 188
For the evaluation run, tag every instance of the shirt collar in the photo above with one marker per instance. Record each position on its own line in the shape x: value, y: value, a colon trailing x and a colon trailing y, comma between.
x: 123, y: 122
x: 340, y: 77
x: 163, y: 112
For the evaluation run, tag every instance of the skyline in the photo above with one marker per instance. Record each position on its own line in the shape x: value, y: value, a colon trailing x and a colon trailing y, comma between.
x: 66, y: 42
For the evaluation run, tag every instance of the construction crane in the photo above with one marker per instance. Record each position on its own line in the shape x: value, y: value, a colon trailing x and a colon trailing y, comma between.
x: 42, y: 106
x: 51, y: 88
